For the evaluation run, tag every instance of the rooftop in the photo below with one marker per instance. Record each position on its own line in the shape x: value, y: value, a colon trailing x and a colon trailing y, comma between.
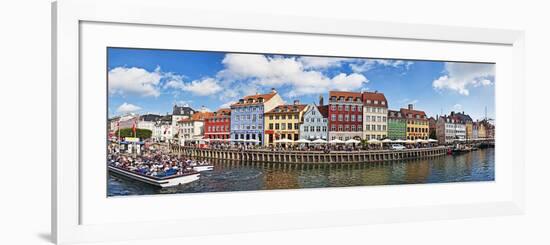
x: 375, y: 96
x: 255, y: 99
x: 287, y: 109
x: 199, y: 116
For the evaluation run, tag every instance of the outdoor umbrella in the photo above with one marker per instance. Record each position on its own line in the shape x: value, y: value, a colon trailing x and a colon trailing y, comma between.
x: 319, y: 141
x: 352, y: 141
x: 336, y: 141
x: 409, y: 141
x: 303, y: 141
x: 374, y: 141
x: 284, y: 141
x: 432, y: 140
x: 400, y: 141
x: 387, y: 141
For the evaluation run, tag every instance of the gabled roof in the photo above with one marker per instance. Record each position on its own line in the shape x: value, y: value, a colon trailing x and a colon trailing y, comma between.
x: 282, y: 109
x: 182, y: 110
x: 199, y: 116
x: 323, y: 109
x: 463, y: 117
x: 374, y: 96
x: 406, y: 112
x: 245, y: 101
x: 222, y: 113
x: 345, y: 94
x: 395, y: 114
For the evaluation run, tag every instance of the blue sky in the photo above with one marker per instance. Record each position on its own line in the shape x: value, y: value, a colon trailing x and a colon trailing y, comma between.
x: 152, y: 81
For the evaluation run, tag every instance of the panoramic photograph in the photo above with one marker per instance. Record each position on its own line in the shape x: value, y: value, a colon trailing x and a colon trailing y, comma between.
x: 182, y: 121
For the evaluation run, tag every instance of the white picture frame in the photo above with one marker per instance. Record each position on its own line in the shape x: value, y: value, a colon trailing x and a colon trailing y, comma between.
x: 67, y: 175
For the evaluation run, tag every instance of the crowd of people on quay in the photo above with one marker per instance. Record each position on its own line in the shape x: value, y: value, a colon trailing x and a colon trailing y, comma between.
x: 306, y: 147
x: 154, y: 163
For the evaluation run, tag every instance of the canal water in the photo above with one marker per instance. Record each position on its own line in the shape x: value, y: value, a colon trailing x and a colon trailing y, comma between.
x: 234, y: 176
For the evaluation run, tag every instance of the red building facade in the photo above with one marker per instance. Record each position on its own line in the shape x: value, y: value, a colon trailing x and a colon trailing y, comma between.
x: 218, y: 126
x: 345, y: 115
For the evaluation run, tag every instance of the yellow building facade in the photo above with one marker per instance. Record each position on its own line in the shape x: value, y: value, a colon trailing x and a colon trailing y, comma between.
x: 283, y: 122
x: 418, y: 126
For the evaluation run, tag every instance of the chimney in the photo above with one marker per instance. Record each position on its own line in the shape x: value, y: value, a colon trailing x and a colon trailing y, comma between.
x: 321, y: 102
x: 296, y: 102
x: 410, y: 106
x: 273, y: 91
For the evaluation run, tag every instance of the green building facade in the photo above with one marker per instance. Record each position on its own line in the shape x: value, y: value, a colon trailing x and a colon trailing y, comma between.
x: 397, y: 125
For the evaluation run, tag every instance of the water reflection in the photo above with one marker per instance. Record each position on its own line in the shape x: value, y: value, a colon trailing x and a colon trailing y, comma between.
x: 234, y: 176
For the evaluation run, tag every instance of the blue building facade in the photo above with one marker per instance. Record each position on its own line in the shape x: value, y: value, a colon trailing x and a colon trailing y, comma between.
x: 247, y: 117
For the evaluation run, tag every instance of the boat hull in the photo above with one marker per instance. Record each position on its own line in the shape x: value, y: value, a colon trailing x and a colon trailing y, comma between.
x: 203, y: 168
x: 160, y: 182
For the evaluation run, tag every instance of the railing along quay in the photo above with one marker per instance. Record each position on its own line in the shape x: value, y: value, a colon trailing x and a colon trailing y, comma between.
x: 313, y: 157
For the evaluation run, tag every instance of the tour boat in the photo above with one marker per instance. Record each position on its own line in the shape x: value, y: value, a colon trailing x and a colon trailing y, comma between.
x: 168, y: 181
x: 200, y: 168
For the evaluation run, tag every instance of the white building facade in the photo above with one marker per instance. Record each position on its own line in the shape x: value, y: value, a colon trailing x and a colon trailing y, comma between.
x: 375, y: 116
x: 315, y: 124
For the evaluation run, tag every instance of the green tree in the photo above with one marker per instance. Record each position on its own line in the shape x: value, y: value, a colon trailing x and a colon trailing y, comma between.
x: 140, y: 133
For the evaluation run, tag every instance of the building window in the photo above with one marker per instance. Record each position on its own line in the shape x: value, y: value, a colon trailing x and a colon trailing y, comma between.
x: 333, y: 117
x: 346, y: 117
x: 353, y: 118
x: 333, y: 127
x: 340, y: 118
x: 340, y: 127
x: 347, y: 128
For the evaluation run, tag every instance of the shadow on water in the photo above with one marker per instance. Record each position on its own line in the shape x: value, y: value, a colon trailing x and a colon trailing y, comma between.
x: 244, y: 176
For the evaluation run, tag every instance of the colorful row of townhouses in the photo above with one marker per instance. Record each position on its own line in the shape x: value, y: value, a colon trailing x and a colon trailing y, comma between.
x: 265, y: 119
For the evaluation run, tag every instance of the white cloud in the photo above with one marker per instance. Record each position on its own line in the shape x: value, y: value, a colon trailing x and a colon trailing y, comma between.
x: 206, y: 86
x: 460, y: 77
x: 457, y: 107
x: 128, y: 108
x: 279, y: 71
x: 321, y: 62
x: 138, y: 81
x: 348, y: 82
x: 368, y: 64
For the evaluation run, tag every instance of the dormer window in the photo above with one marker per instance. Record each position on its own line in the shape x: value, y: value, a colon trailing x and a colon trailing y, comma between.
x: 250, y: 100
x: 368, y: 101
x: 260, y: 99
x: 383, y: 102
x: 376, y: 102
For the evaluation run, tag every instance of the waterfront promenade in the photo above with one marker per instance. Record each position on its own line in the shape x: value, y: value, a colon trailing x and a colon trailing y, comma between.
x: 310, y: 157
